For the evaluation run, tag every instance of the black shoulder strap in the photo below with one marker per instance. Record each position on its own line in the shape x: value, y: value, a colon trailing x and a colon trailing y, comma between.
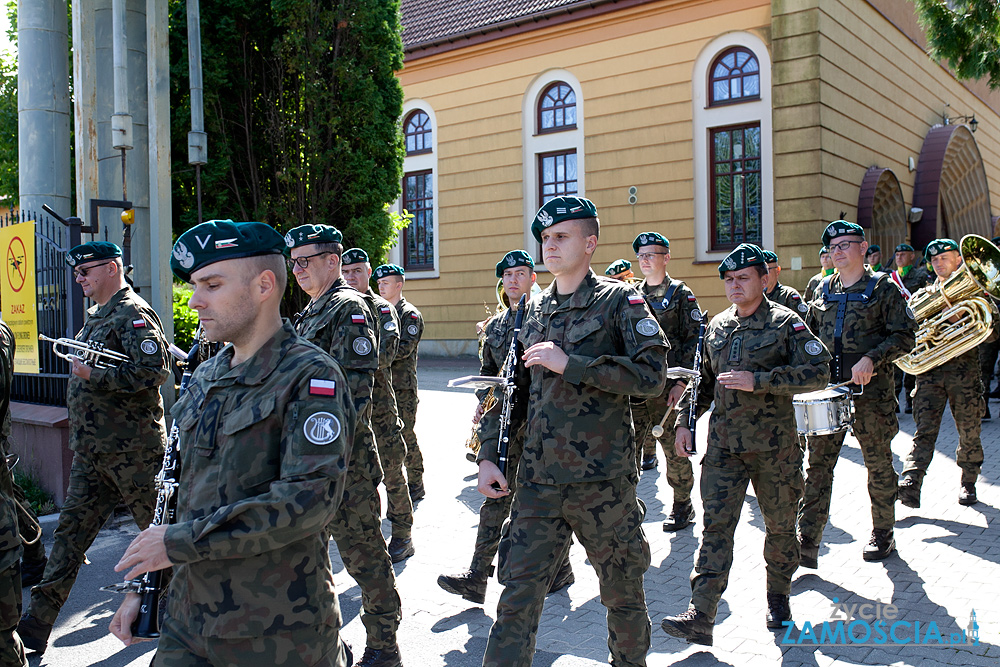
x: 842, y: 299
x: 674, y: 284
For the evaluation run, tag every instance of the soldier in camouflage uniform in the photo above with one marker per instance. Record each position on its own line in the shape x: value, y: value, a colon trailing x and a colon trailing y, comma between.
x: 825, y: 261
x: 757, y: 355
x: 909, y: 277
x: 988, y: 353
x: 957, y: 382
x: 778, y: 293
x: 11, y: 650
x: 873, y: 258
x: 516, y: 270
x: 863, y: 320
x: 589, y: 343
x: 116, y: 428
x: 676, y: 309
x: 390, y: 278
x: 266, y: 430
x: 338, y: 320
x: 388, y: 427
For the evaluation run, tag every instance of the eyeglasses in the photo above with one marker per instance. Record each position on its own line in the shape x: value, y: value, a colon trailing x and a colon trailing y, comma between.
x: 648, y: 255
x: 303, y: 262
x: 843, y: 246
x: 82, y: 273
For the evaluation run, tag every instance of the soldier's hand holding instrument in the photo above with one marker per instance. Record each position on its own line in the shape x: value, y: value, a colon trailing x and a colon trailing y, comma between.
x: 691, y: 449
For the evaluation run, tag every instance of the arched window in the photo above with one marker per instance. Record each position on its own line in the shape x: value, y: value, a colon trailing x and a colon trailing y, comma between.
x: 734, y: 77
x: 557, y: 108
x: 417, y: 131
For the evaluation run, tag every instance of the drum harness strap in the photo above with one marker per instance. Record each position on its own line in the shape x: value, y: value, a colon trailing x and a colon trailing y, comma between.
x: 841, y: 299
x: 662, y: 305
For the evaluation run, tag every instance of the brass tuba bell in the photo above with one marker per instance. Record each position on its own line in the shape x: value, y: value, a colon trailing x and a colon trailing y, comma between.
x: 963, y: 295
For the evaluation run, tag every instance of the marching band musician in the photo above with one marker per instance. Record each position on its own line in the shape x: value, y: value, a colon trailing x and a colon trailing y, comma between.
x: 116, y: 428
x: 516, y: 270
x: 863, y: 320
x: 957, y: 381
x: 757, y: 354
x: 873, y: 257
x: 590, y: 343
x: 675, y: 307
x: 988, y: 352
x: 909, y: 277
x: 266, y: 428
x: 339, y: 321
x: 826, y: 264
x: 386, y: 424
x: 778, y: 293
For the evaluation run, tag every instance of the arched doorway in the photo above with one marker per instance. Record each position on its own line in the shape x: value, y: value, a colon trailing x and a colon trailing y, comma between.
x: 882, y: 211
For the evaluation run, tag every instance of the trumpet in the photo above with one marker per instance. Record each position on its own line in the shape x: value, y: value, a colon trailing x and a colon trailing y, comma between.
x: 92, y: 353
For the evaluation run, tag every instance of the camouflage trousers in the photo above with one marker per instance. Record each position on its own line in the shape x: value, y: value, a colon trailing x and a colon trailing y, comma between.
x: 180, y: 646
x: 392, y: 452
x: 357, y: 531
x: 988, y: 353
x: 11, y: 650
x: 963, y: 391
x: 680, y: 474
x: 606, y: 517
x: 97, y: 483
x: 904, y: 381
x: 776, y: 476
x: 875, y: 425
x: 406, y: 402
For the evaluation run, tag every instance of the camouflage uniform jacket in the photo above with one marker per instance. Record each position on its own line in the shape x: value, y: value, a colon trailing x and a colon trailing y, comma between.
x: 388, y: 335
x: 789, y: 298
x: 10, y: 539
x: 579, y: 424
x: 411, y: 328
x: 340, y: 323
x: 120, y: 409
x: 785, y: 359
x: 264, y: 449
x: 917, y: 278
x: 811, y: 286
x: 679, y: 319
x: 882, y: 329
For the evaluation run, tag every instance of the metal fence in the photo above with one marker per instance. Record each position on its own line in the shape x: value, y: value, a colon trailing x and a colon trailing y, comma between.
x: 52, y: 282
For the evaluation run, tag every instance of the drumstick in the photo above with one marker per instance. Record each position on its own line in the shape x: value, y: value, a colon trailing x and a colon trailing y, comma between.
x: 844, y: 384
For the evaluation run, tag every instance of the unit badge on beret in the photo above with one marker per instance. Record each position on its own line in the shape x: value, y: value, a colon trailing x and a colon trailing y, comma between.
x: 730, y: 263
x: 545, y: 218
x: 321, y: 428
x: 511, y: 261
x: 288, y: 240
x: 642, y: 239
x: 183, y: 255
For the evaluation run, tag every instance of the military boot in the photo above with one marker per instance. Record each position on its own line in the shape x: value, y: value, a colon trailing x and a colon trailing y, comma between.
x: 880, y: 545
x: 380, y: 657
x: 564, y: 578
x: 967, y: 496
x: 692, y: 625
x: 681, y: 516
x: 808, y: 553
x: 471, y: 584
x: 778, y: 610
x: 34, y: 633
x: 400, y: 549
x: 648, y: 462
x: 908, y: 492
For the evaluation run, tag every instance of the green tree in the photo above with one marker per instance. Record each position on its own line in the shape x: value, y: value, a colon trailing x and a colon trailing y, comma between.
x: 8, y: 113
x: 965, y: 33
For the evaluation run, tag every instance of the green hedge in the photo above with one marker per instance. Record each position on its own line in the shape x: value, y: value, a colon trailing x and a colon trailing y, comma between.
x: 185, y: 319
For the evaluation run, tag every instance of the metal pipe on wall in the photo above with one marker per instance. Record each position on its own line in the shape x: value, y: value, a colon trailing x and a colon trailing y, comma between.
x: 197, y: 138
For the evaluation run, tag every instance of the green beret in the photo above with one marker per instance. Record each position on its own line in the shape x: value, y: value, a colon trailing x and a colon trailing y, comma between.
x: 309, y: 234
x: 745, y: 254
x: 769, y: 257
x: 903, y: 247
x: 825, y: 250
x: 354, y: 256
x: 618, y: 266
x: 839, y: 228
x: 91, y: 252
x: 387, y: 270
x: 217, y: 240
x: 561, y: 209
x: 938, y: 246
x: 512, y: 259
x: 649, y: 238
x: 873, y: 248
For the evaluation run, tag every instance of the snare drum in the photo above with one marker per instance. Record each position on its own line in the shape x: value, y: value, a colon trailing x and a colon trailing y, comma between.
x: 823, y: 412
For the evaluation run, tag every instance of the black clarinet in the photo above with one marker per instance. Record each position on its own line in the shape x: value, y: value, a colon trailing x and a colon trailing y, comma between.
x: 510, y: 366
x: 695, y: 381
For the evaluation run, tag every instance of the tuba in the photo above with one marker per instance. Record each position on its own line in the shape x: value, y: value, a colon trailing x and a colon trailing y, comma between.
x: 965, y: 297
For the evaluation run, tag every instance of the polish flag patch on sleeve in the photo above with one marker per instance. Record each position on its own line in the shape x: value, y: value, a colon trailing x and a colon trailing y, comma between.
x: 358, y: 319
x: 139, y: 323
x: 692, y: 297
x: 635, y: 299
x: 322, y: 387
x: 799, y: 326
x: 414, y: 316
x: 385, y: 310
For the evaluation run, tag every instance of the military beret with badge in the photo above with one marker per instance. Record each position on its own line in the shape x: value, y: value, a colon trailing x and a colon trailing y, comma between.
x: 839, y: 228
x: 354, y: 256
x: 903, y: 247
x: 387, y: 270
x: 825, y: 250
x: 218, y: 240
x: 512, y: 259
x: 650, y: 238
x: 310, y: 234
x: 618, y: 266
x: 938, y: 246
x: 770, y: 257
x: 92, y: 252
x: 743, y: 256
x: 561, y: 209
x: 872, y: 249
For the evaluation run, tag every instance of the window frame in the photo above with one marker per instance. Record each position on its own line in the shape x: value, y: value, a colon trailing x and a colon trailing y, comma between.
x: 538, y: 110
x: 428, y: 134
x: 713, y: 176
x: 541, y: 184
x: 404, y: 237
x: 412, y: 163
x: 710, y: 86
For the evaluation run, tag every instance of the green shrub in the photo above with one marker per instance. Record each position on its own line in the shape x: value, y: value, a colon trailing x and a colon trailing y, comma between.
x: 41, y: 501
x: 185, y: 319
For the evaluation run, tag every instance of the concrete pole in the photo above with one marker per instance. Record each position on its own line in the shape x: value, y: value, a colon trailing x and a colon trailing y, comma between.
x: 43, y: 106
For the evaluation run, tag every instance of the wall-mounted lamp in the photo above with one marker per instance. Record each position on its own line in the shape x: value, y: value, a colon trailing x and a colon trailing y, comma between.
x: 951, y: 120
